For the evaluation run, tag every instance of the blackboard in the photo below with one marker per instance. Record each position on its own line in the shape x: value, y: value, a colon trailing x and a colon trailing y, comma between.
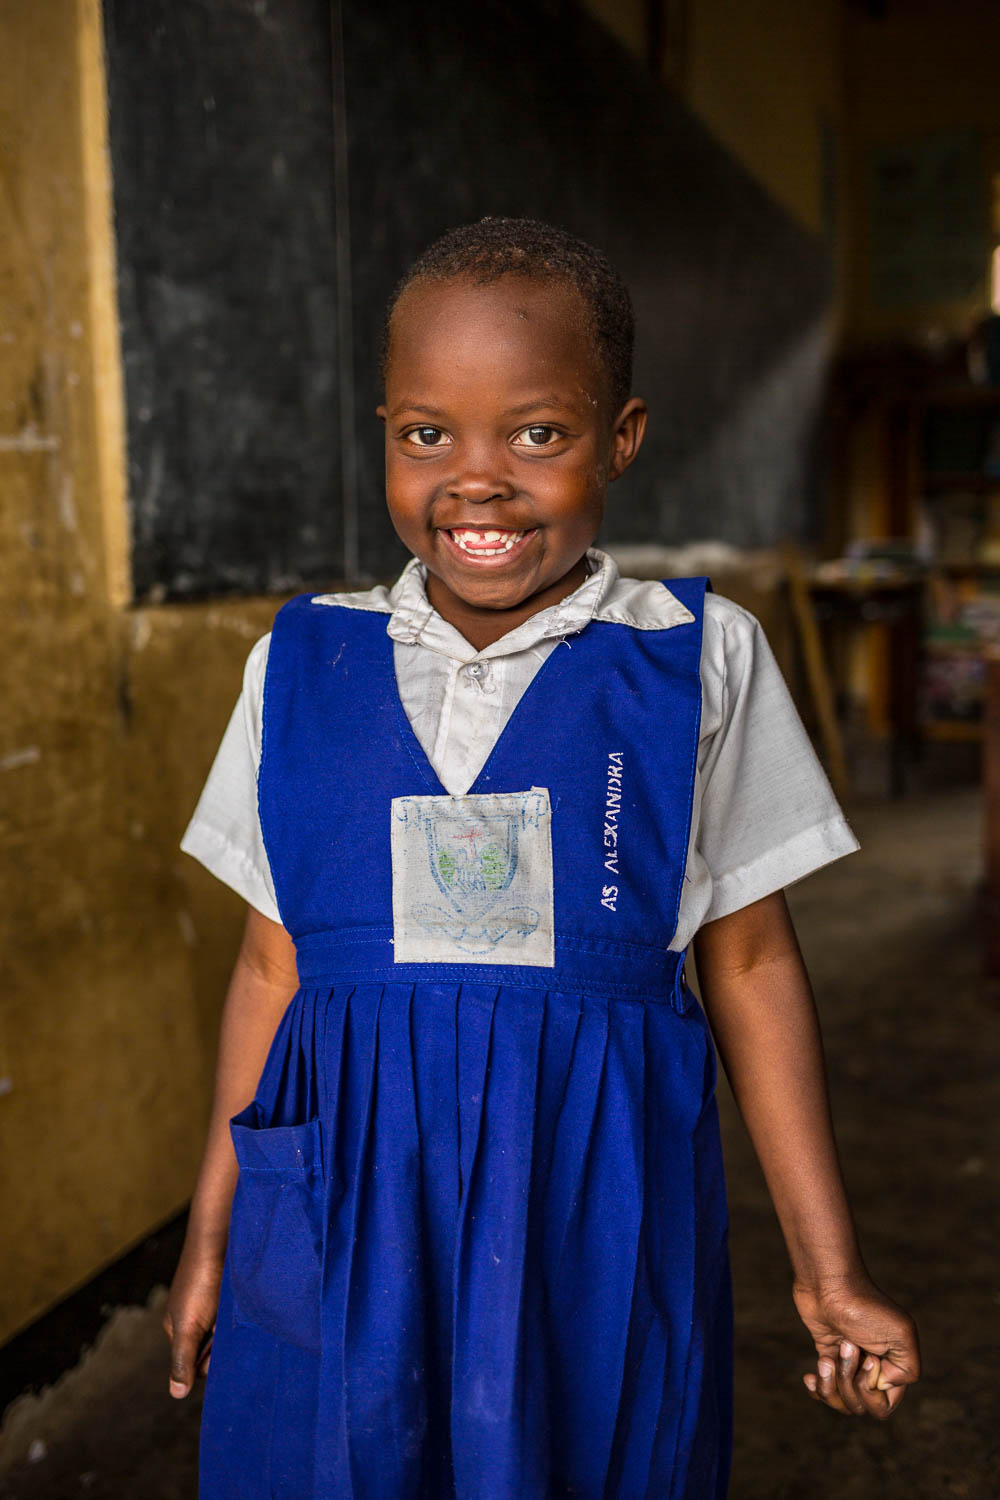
x: 277, y: 164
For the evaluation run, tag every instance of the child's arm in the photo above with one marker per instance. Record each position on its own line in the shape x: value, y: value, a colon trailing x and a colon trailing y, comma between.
x: 263, y: 982
x: 758, y: 1000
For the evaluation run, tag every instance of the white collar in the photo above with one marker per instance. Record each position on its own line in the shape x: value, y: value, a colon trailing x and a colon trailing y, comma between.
x: 603, y: 596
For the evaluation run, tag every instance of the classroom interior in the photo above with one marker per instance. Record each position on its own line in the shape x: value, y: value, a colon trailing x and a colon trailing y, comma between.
x: 202, y: 210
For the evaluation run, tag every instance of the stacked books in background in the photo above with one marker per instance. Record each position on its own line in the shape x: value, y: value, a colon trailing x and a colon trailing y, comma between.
x: 962, y: 618
x: 954, y: 679
x: 960, y: 536
x: 961, y: 528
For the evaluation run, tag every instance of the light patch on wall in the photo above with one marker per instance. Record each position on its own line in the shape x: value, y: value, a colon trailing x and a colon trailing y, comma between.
x: 13, y: 761
x: 142, y: 632
x: 756, y: 456
x: 67, y: 506
x: 28, y: 440
x: 221, y: 619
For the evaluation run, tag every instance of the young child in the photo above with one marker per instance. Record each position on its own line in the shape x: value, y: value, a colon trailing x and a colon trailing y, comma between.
x: 477, y: 1246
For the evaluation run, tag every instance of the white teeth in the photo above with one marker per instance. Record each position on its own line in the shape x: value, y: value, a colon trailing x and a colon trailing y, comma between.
x: 473, y: 542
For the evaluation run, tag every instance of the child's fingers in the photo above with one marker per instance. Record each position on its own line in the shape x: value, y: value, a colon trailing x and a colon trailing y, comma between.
x: 855, y: 1384
x: 205, y: 1353
x: 892, y: 1376
x: 183, y: 1359
x: 866, y: 1383
x: 811, y: 1383
x: 848, y: 1361
x: 894, y: 1396
x: 826, y: 1384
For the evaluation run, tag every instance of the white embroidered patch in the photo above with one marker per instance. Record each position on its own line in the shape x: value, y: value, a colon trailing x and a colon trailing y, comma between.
x: 472, y: 879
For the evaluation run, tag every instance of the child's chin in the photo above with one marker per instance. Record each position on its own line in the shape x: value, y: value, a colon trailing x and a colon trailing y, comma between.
x: 486, y: 592
x: 491, y: 593
x: 498, y: 575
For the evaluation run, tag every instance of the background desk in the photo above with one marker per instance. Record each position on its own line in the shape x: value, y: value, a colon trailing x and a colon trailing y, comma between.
x: 896, y: 604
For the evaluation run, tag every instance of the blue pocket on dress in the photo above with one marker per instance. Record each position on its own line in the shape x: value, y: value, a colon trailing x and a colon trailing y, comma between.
x: 276, y: 1228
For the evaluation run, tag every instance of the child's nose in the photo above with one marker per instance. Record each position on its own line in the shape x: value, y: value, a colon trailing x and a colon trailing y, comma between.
x: 479, y: 486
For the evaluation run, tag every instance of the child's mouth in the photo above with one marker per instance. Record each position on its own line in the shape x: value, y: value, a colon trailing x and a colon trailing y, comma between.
x: 484, y: 542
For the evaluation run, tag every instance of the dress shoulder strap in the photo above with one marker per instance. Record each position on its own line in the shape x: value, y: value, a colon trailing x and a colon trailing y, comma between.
x: 690, y: 591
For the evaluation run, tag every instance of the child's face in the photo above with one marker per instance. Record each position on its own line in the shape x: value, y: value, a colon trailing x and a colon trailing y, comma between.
x: 499, y: 441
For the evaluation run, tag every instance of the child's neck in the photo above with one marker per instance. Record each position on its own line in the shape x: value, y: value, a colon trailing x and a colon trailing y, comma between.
x: 482, y: 627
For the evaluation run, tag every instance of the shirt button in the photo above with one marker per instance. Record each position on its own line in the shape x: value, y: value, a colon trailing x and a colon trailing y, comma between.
x: 476, y: 669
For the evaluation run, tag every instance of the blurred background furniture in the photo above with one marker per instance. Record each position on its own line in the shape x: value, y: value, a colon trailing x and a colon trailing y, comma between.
x: 991, y: 787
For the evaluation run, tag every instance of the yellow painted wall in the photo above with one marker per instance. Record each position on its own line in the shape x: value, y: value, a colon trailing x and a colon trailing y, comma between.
x: 114, y: 946
x: 625, y: 19
x: 929, y: 65
x: 764, y: 76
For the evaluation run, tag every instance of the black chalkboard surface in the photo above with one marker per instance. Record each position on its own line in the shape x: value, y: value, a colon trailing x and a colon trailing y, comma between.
x: 277, y: 163
x: 223, y: 187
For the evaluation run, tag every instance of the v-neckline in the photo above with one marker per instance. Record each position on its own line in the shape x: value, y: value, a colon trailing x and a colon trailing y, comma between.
x: 417, y: 752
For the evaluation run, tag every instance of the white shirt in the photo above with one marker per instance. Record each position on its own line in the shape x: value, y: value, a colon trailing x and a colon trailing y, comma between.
x: 763, y: 814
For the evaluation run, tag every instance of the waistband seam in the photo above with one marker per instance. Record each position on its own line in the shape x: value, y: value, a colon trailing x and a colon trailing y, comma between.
x: 480, y: 974
x: 607, y: 946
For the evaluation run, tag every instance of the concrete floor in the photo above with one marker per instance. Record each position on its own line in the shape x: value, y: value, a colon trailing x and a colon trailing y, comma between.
x: 913, y: 1040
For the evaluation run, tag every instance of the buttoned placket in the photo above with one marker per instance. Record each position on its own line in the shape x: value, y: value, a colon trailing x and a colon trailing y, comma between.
x: 473, y: 694
x: 475, y: 688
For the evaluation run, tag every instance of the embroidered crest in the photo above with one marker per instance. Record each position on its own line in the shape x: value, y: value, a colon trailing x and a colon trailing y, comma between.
x: 472, y: 879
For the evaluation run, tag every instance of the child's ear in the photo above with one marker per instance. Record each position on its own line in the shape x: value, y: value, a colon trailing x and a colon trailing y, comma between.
x: 627, y: 435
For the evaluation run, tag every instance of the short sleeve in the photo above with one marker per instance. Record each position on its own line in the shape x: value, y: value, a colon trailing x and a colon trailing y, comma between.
x: 224, y: 834
x: 765, y: 814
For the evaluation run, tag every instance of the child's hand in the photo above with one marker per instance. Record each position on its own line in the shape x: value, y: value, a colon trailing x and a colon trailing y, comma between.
x: 190, y: 1316
x: 867, y: 1347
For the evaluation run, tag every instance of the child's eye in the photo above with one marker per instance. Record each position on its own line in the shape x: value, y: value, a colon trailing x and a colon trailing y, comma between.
x: 426, y: 437
x: 537, y: 437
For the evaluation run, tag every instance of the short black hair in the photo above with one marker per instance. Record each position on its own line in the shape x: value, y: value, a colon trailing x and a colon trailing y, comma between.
x: 496, y: 247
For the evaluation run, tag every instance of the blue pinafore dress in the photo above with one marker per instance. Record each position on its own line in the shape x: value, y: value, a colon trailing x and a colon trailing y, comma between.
x: 478, y: 1242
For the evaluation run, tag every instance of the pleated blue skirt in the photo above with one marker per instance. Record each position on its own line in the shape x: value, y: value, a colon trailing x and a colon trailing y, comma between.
x: 477, y: 1252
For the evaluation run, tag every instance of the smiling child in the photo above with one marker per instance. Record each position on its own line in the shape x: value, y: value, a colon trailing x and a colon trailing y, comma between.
x: 471, y: 1241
